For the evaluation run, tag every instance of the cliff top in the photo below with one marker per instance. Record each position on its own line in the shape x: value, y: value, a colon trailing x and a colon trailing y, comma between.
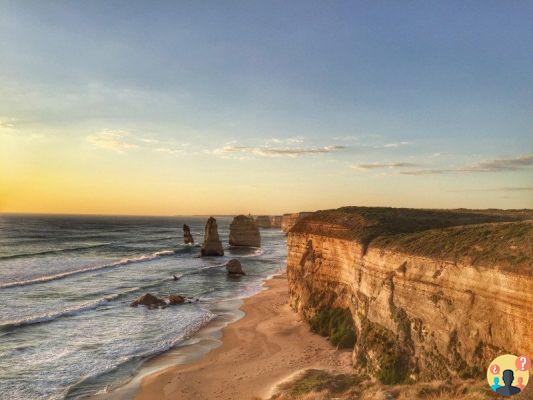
x: 490, y: 237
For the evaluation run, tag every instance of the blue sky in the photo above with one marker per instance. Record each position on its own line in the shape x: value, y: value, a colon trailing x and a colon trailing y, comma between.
x: 418, y: 103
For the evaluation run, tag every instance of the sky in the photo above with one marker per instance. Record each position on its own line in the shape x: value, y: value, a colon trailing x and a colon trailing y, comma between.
x: 264, y: 107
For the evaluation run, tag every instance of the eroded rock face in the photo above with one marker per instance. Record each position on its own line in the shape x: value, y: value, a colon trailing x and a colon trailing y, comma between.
x: 289, y: 220
x: 244, y: 232
x: 174, y: 299
x: 212, y: 245
x: 187, y: 236
x: 234, y: 267
x: 421, y: 315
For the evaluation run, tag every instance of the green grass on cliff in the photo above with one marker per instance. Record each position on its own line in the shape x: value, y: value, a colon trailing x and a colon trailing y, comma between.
x: 505, y: 245
x: 482, y: 237
x: 336, y: 324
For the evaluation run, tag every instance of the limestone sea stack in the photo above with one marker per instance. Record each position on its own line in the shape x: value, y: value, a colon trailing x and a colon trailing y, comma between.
x: 263, y: 221
x: 187, y: 237
x: 211, y: 245
x: 244, y: 232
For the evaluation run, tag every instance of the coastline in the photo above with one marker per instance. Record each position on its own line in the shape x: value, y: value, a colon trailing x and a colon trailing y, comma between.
x: 269, y: 344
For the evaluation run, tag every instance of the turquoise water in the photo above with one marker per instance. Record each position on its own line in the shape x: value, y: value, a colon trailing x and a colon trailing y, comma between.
x: 66, y: 328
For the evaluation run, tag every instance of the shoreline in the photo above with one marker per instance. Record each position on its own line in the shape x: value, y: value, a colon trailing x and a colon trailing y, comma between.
x: 247, y: 358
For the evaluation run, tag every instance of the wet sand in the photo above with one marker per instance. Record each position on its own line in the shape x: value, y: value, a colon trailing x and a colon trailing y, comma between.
x: 267, y: 346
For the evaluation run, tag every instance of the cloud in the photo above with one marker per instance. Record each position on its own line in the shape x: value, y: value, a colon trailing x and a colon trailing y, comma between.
x: 112, y: 140
x: 291, y: 140
x: 502, y: 189
x: 394, y: 145
x: 503, y: 164
x: 383, y: 165
x: 496, y: 165
x: 266, y: 151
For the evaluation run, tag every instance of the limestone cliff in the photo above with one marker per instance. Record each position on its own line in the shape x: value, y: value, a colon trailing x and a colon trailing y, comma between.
x: 275, y: 221
x: 244, y: 232
x: 432, y: 294
x: 289, y: 220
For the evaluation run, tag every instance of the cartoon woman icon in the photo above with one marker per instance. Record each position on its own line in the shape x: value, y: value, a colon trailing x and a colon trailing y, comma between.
x: 496, y: 383
x: 520, y: 383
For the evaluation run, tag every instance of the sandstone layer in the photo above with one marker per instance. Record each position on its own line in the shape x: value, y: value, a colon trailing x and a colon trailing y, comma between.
x: 432, y: 294
x: 212, y: 245
x: 289, y: 220
x: 187, y: 236
x: 244, y: 232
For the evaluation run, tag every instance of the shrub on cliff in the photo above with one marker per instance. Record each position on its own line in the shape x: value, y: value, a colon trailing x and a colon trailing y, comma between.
x: 337, y: 324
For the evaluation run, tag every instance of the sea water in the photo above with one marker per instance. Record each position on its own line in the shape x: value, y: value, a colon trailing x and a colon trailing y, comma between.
x: 66, y: 282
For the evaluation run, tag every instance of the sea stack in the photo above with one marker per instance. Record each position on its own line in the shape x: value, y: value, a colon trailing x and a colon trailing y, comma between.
x: 263, y: 221
x: 187, y: 237
x: 211, y: 245
x: 244, y: 232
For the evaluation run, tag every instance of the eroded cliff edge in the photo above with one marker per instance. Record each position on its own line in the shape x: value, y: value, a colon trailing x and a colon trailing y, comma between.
x: 433, y: 294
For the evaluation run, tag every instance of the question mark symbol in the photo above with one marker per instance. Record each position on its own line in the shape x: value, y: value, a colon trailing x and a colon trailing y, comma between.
x: 523, y: 363
x: 495, y: 369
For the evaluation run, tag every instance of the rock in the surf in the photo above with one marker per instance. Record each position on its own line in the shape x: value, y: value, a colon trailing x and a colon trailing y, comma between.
x: 234, y: 267
x: 244, y: 232
x: 174, y: 299
x: 211, y: 245
x: 187, y: 237
x: 148, y: 300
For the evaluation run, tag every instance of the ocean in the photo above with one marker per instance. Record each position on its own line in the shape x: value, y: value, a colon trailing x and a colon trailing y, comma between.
x: 66, y: 282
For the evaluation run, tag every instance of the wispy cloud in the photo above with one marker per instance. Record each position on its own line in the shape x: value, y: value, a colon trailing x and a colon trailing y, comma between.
x: 365, y: 167
x: 112, y: 140
x: 394, y: 145
x: 291, y: 140
x: 496, y: 165
x: 502, y: 189
x: 266, y: 151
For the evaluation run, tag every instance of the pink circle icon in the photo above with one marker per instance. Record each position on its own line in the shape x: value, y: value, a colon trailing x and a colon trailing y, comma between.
x: 523, y: 363
x: 495, y: 369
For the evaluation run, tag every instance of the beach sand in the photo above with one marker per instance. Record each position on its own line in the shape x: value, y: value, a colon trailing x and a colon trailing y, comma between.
x: 265, y: 347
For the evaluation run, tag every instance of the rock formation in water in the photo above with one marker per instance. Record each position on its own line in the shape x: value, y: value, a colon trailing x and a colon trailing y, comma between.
x: 432, y: 294
x: 263, y: 221
x: 289, y: 220
x: 234, y: 267
x: 244, y: 232
x: 187, y: 236
x: 211, y: 245
x: 151, y: 301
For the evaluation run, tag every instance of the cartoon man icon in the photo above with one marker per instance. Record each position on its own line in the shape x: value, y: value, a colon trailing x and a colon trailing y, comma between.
x: 508, y: 389
x: 520, y: 383
x: 496, y: 384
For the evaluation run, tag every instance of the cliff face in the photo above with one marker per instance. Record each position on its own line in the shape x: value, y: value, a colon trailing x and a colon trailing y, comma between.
x: 421, y: 309
x: 268, y: 221
x: 289, y: 220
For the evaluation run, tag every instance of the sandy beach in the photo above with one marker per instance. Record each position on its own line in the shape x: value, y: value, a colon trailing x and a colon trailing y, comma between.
x: 265, y: 347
